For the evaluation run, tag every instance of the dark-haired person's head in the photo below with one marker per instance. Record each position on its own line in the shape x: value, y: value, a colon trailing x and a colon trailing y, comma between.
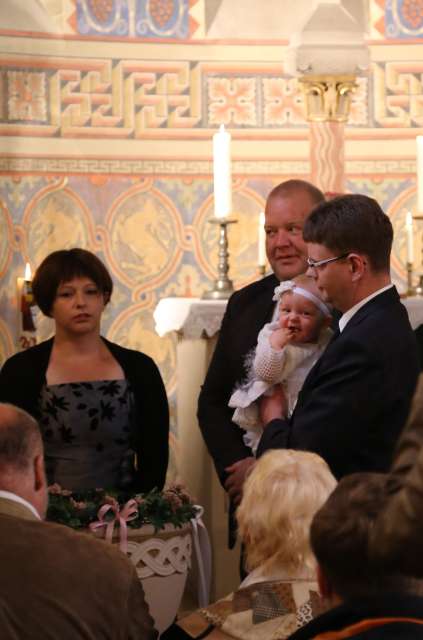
x: 21, y: 457
x: 339, y: 535
x: 63, y: 266
x: 349, y: 241
x: 287, y: 208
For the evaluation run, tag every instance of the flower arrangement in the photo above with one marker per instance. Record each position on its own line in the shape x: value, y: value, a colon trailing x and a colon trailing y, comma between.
x: 80, y: 509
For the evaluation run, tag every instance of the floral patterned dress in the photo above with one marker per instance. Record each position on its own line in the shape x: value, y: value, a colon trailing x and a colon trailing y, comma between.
x: 86, y: 432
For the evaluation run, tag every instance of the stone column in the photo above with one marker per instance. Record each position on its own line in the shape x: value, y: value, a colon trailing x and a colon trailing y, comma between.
x: 327, y: 100
x: 327, y: 156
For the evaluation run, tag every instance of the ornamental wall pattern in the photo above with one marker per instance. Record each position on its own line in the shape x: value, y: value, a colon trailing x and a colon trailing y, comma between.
x: 106, y: 144
x: 128, y: 99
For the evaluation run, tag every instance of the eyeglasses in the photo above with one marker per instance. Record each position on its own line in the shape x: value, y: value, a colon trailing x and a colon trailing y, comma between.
x: 316, y: 264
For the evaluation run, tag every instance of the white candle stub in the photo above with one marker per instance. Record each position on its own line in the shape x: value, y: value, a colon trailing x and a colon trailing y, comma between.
x: 410, y: 237
x: 261, y: 241
x: 419, y: 140
x: 27, y: 274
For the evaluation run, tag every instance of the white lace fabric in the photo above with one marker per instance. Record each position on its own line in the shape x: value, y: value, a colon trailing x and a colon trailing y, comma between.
x: 288, y: 366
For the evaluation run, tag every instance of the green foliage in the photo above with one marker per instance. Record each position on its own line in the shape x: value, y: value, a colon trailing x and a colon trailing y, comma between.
x: 78, y: 509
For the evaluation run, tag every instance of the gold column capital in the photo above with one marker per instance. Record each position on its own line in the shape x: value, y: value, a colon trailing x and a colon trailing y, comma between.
x: 328, y: 97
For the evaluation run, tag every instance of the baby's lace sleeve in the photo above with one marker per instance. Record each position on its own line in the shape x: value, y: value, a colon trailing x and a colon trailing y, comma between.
x: 269, y: 363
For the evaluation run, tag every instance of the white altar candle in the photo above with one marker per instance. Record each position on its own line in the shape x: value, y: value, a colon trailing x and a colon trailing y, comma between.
x: 420, y: 174
x: 261, y: 241
x: 27, y: 275
x: 222, y: 173
x: 410, y: 238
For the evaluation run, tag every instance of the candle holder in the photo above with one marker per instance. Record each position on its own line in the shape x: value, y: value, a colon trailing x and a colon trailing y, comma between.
x: 419, y: 288
x: 222, y: 286
x: 411, y: 290
x: 261, y: 270
x: 26, y: 326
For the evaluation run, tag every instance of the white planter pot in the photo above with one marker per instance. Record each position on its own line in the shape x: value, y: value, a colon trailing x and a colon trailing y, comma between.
x: 162, y: 560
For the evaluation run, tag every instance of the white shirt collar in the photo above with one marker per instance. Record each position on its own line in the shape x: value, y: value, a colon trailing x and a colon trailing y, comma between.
x: 8, y: 495
x: 346, y: 317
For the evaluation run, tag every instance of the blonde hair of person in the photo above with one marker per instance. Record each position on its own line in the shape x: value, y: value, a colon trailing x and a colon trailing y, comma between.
x: 281, y: 495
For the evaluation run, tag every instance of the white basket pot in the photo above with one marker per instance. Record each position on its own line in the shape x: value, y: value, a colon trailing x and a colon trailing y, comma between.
x: 162, y: 560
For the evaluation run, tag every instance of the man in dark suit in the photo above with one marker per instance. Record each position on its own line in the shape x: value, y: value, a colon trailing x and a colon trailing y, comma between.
x: 287, y: 208
x: 56, y: 583
x: 355, y: 400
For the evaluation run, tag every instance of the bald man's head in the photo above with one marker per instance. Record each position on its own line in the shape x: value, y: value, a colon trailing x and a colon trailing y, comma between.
x: 21, y: 456
x: 20, y: 438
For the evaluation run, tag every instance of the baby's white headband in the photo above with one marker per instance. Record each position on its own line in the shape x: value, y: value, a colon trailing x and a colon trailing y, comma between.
x: 289, y: 285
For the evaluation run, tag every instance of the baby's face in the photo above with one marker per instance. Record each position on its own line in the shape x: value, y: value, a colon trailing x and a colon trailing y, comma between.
x: 301, y: 317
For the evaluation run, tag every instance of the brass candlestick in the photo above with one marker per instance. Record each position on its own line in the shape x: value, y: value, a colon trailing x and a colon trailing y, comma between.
x: 261, y: 270
x: 411, y: 291
x: 222, y: 286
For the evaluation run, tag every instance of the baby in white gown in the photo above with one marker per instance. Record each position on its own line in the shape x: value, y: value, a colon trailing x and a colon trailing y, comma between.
x: 287, y: 348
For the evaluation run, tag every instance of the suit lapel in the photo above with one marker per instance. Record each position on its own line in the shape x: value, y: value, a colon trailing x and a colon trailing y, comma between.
x: 263, y: 309
x: 384, y: 299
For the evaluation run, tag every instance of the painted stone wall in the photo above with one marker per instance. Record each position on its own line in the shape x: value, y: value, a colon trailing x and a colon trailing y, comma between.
x: 107, y: 109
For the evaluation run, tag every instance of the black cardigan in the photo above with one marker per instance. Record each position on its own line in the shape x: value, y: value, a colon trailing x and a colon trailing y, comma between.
x: 23, y: 376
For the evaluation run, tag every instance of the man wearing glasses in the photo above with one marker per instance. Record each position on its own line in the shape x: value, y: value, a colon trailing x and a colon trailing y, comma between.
x: 356, y: 398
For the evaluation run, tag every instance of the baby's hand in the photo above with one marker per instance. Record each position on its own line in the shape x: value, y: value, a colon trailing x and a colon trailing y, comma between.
x: 280, y: 338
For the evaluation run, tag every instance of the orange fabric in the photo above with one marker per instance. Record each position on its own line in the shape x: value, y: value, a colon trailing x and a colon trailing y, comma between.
x: 359, y: 627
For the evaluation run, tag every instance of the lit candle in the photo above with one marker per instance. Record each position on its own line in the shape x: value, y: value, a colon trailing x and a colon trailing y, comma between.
x: 222, y: 173
x: 26, y: 301
x: 410, y: 237
x: 420, y: 174
x: 261, y: 241
x: 27, y: 275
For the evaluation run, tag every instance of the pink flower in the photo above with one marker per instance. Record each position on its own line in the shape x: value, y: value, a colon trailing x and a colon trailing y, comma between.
x: 55, y: 489
x: 174, y: 500
x: 180, y: 491
x: 78, y: 505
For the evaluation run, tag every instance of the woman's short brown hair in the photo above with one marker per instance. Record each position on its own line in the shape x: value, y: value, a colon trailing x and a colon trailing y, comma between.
x: 64, y: 265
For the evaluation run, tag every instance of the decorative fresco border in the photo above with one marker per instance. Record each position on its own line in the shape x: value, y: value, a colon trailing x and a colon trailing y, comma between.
x: 174, y: 167
x: 42, y: 96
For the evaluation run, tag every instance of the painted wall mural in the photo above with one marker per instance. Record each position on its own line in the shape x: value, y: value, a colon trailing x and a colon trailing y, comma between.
x: 107, y: 109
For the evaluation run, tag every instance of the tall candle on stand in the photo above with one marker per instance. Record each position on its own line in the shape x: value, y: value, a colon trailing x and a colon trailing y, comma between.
x: 222, y: 173
x: 261, y: 241
x: 26, y: 327
x: 410, y: 238
x: 420, y: 174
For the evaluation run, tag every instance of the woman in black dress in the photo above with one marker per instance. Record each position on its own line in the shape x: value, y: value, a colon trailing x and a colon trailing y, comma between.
x: 102, y: 408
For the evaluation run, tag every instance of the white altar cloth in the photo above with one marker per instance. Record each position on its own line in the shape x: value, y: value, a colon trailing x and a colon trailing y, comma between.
x: 194, y: 317
x: 414, y: 306
x: 197, y: 318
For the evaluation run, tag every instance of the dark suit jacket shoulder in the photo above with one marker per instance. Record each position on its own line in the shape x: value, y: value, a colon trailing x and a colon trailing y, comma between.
x: 399, y: 526
x: 355, y: 400
x: 24, y: 374
x: 57, y: 583
x: 247, y: 311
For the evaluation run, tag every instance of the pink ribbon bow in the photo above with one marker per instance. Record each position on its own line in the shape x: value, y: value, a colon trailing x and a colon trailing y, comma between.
x: 128, y: 512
